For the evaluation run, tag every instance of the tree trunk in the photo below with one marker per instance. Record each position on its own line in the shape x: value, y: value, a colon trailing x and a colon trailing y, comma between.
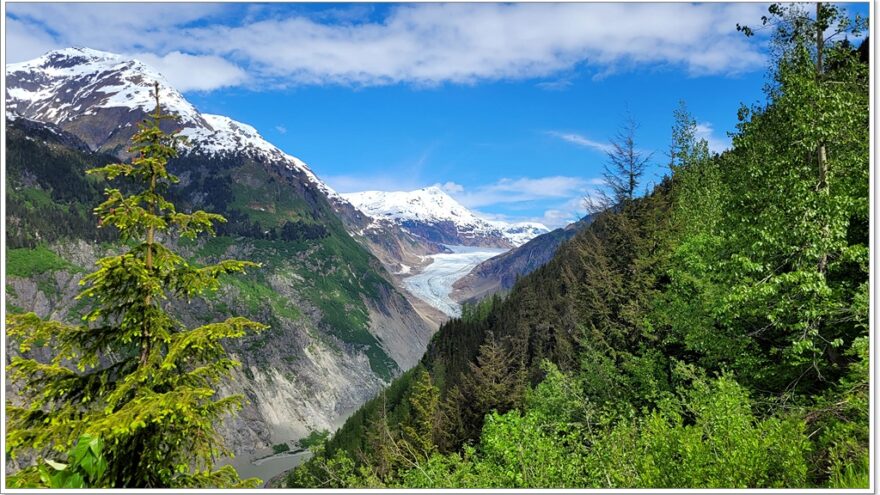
x: 821, y: 156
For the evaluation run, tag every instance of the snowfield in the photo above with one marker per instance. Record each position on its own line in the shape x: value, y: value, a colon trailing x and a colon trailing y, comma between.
x: 434, y: 284
x: 47, y: 88
x: 431, y: 205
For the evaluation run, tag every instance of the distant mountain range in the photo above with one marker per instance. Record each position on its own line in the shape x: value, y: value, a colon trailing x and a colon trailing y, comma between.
x: 432, y: 214
x: 340, y: 327
x: 99, y: 96
x: 499, y: 273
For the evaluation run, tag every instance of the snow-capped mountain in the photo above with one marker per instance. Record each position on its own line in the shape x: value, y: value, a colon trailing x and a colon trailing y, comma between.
x: 521, y: 232
x: 431, y: 213
x: 87, y: 104
x: 100, y: 97
x: 65, y: 85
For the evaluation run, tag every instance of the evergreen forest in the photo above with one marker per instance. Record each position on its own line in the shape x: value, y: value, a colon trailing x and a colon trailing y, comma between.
x: 710, y: 332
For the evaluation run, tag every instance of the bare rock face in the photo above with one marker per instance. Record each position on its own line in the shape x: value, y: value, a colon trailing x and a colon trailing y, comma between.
x: 296, y: 377
x: 340, y: 330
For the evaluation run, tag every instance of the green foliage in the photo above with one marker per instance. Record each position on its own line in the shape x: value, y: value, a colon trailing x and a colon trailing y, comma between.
x: 784, y: 264
x: 710, y: 440
x: 479, y: 311
x: 712, y: 333
x: 840, y: 416
x: 420, y: 431
x: 28, y: 262
x: 131, y: 374
x: 314, y: 438
x: 85, y: 468
x: 47, y: 191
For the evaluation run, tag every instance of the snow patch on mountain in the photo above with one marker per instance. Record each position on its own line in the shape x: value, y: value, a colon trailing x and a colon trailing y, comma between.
x: 65, y: 85
x: 432, y: 206
x: 521, y: 232
x: 429, y: 204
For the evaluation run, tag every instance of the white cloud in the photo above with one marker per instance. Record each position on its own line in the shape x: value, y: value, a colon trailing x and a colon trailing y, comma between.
x: 281, y: 129
x: 557, y: 85
x: 565, y: 213
x: 717, y: 144
x: 195, y: 72
x: 582, y: 141
x: 25, y: 41
x: 561, y: 197
x: 116, y: 27
x: 451, y: 187
x: 423, y: 44
x: 522, y: 190
x: 357, y: 183
x: 555, y: 216
x: 142, y: 31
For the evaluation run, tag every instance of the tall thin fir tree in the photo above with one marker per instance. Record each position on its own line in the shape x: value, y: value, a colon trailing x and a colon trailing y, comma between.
x: 624, y: 168
x: 132, y: 374
x: 626, y: 164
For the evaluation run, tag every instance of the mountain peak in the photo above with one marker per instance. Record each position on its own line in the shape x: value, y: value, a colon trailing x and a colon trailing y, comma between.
x: 431, y: 208
x: 79, y: 54
x: 112, y: 92
x: 67, y: 84
x: 433, y: 190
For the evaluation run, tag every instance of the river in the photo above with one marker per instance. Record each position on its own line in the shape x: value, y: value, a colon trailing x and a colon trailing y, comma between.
x: 254, y: 466
x: 264, y: 465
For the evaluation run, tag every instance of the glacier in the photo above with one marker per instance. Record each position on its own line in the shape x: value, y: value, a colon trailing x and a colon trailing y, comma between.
x: 434, y: 283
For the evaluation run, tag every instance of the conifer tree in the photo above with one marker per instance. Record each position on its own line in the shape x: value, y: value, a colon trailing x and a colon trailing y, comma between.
x: 624, y: 167
x: 132, y: 374
x: 626, y: 164
x: 382, y: 443
x: 419, y: 432
x: 496, y: 382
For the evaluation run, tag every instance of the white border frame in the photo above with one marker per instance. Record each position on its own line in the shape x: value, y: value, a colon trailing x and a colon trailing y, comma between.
x: 871, y: 277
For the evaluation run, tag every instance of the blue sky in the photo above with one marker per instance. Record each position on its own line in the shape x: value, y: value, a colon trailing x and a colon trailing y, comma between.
x: 508, y: 106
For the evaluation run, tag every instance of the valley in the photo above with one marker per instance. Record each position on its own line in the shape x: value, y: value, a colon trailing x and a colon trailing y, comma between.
x: 434, y: 284
x: 352, y: 295
x: 439, y: 246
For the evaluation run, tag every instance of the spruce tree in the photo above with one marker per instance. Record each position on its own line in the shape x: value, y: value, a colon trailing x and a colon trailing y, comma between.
x: 131, y: 373
x: 495, y: 382
x: 420, y: 429
x: 626, y: 163
x: 624, y: 168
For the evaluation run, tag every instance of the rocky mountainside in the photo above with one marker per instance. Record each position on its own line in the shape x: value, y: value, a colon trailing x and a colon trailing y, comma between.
x: 100, y: 97
x: 340, y: 329
x: 500, y: 272
x: 431, y: 214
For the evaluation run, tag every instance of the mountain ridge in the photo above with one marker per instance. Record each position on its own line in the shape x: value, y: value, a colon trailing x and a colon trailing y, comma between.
x: 431, y: 213
x: 340, y: 329
x: 500, y: 273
